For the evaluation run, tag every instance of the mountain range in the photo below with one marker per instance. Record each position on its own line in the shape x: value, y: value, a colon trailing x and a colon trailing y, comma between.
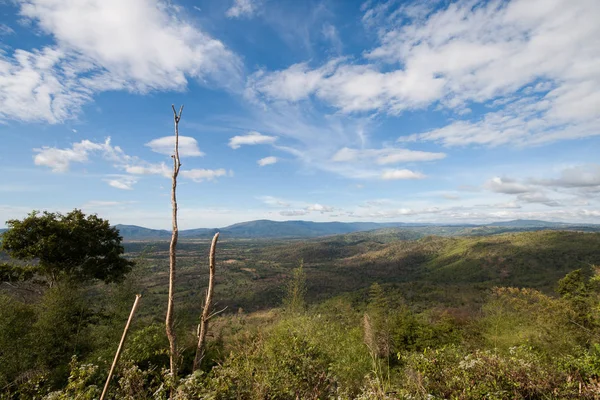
x: 308, y: 229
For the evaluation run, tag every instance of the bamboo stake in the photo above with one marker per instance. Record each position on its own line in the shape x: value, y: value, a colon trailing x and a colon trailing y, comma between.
x: 206, y: 316
x: 120, y: 348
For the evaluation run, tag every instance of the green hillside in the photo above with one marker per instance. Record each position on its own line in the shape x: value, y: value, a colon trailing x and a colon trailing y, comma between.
x: 384, y: 314
x: 252, y: 272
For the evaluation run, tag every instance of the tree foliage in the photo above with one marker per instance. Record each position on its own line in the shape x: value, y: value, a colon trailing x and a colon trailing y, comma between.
x: 69, y: 245
x: 294, y: 301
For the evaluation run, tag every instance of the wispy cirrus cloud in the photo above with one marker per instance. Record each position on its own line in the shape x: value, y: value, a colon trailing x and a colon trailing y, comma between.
x: 385, y: 156
x: 242, y: 9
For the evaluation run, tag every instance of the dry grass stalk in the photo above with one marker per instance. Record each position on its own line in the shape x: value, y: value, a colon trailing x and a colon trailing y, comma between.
x: 120, y: 348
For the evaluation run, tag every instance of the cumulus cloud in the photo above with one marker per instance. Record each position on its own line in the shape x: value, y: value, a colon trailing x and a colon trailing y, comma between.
x: 91, y: 55
x: 267, y: 161
x: 394, y: 174
x: 59, y: 160
x: 188, y: 146
x: 251, y: 138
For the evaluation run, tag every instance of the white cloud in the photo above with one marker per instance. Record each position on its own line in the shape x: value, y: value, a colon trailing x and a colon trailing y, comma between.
x: 538, y: 197
x: 188, y: 146
x: 509, y: 205
x: 330, y: 33
x: 105, y: 203
x: 144, y: 168
x: 6, y: 30
x: 59, y: 160
x: 121, y: 182
x: 468, y: 52
x: 136, y: 45
x: 393, y: 174
x: 298, y: 208
x: 293, y: 213
x: 267, y: 161
x: 320, y: 208
x: 581, y: 176
x: 251, y: 138
x: 274, y: 201
x: 241, y: 9
x: 201, y: 175
x: 37, y: 86
x: 294, y: 83
x: 385, y: 156
x: 507, y: 186
x: 450, y: 196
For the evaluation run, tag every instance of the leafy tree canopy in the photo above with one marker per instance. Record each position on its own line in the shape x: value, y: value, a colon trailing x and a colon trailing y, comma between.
x: 69, y: 245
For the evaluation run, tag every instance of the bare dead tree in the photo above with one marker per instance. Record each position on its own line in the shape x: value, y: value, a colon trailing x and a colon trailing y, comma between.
x: 120, y: 348
x: 206, y: 315
x: 172, y: 250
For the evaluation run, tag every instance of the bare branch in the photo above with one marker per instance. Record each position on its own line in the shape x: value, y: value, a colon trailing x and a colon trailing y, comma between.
x: 206, y: 315
x: 169, y: 321
x: 216, y: 313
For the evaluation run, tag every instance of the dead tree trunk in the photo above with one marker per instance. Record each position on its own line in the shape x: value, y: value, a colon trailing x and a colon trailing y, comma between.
x: 172, y: 250
x: 206, y: 315
x: 120, y: 348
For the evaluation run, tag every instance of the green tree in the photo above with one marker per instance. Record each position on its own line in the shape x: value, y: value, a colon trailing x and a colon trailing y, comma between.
x: 67, y: 246
x: 580, y: 289
x: 16, y: 354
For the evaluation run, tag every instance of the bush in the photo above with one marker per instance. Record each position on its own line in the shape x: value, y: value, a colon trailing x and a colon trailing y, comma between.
x: 454, y: 373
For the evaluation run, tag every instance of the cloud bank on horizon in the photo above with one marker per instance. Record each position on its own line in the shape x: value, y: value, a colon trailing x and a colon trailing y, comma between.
x: 461, y: 111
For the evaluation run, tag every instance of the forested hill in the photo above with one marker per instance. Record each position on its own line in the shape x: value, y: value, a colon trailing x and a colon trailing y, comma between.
x: 428, y: 270
x: 308, y: 229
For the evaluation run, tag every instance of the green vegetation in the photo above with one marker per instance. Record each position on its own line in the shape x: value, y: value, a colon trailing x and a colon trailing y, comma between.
x: 70, y: 246
x: 369, y: 315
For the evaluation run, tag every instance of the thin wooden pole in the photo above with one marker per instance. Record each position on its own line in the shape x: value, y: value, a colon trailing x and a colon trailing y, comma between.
x: 120, y: 348
x: 202, y: 329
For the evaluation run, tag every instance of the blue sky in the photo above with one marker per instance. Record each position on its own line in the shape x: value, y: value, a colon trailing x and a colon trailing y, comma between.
x: 338, y: 110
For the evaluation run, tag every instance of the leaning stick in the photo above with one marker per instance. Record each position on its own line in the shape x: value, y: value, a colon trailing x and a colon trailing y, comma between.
x: 206, y: 316
x: 120, y: 348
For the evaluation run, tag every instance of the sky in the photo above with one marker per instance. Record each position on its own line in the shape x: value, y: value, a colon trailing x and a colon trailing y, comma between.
x: 322, y: 110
